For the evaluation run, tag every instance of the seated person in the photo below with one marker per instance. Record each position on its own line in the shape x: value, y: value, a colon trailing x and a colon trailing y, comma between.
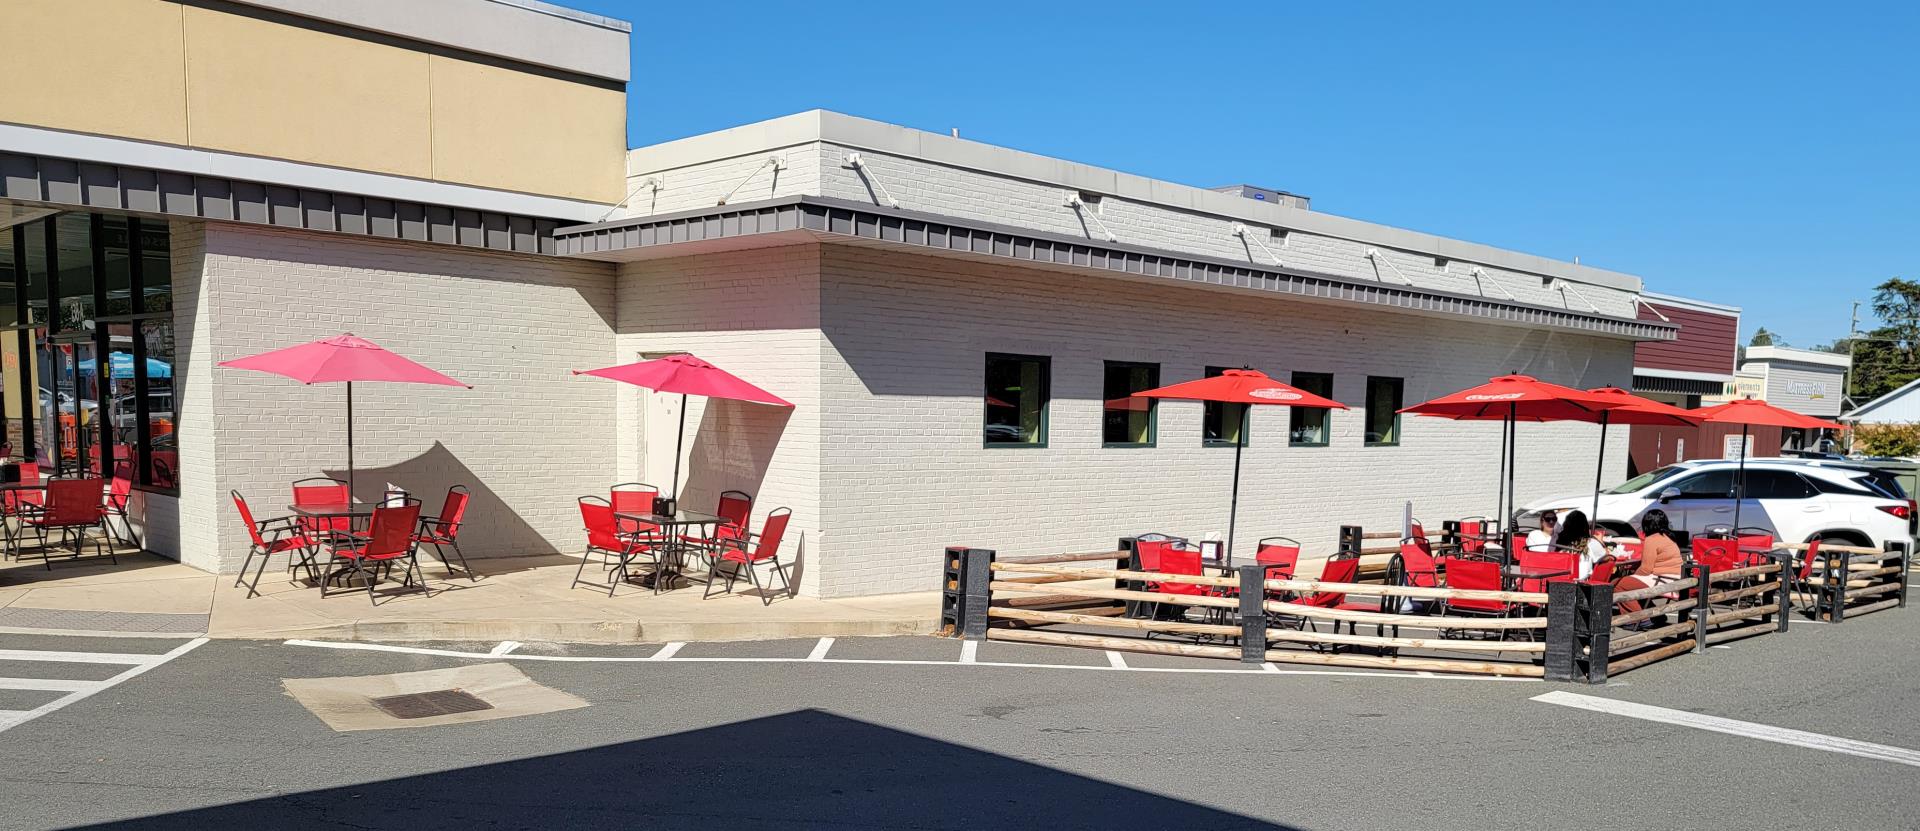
x: 1660, y: 560
x: 1577, y: 536
x: 1541, y: 539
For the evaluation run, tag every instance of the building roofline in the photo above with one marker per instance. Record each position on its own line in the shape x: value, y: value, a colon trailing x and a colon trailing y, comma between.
x: 831, y: 218
x: 528, y: 31
x: 1769, y: 354
x: 1689, y: 303
x: 881, y: 137
x: 1857, y: 412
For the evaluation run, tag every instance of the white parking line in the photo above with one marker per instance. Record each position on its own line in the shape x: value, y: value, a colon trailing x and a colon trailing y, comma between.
x: 80, y: 690
x: 819, y: 652
x: 1114, y: 660
x: 505, y: 647
x: 1763, y: 732
x: 668, y: 651
x: 50, y: 684
x: 969, y: 651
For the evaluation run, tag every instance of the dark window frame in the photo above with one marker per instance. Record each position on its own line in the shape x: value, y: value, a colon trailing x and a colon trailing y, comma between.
x: 1400, y: 396
x: 1207, y: 410
x: 1296, y: 414
x: 1046, y: 400
x: 1153, y: 406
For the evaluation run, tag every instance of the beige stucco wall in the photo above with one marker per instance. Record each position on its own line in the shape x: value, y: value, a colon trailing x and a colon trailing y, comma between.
x: 162, y: 71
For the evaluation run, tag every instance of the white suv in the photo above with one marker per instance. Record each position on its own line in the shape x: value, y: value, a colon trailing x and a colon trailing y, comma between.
x: 1798, y: 499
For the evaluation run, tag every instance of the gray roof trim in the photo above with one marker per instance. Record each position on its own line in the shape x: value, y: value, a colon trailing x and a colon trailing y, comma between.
x: 839, y: 217
x: 1884, y: 398
x: 67, y: 183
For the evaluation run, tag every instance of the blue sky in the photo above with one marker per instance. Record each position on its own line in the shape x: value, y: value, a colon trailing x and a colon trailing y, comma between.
x: 1758, y: 154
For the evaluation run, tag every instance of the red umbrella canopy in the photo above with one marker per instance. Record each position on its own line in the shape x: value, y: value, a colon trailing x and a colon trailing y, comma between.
x: 1636, y: 410
x: 1521, y: 397
x: 1756, y: 413
x: 342, y: 358
x: 1242, y: 386
x: 687, y: 375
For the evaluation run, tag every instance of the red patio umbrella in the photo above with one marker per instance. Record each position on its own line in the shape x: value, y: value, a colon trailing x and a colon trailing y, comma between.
x: 342, y: 359
x: 1241, y: 386
x: 1750, y: 412
x: 686, y: 375
x: 1632, y: 410
x: 1512, y: 399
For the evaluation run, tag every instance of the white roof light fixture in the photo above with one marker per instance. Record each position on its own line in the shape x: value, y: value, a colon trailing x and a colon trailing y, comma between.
x: 1483, y: 279
x: 860, y: 166
x: 1240, y: 230
x: 1373, y: 254
x: 1079, y: 205
x: 653, y: 182
x: 1566, y: 288
x: 1642, y: 303
x: 777, y: 163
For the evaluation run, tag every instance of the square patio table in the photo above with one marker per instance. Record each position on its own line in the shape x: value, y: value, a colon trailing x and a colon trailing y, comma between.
x: 674, y: 565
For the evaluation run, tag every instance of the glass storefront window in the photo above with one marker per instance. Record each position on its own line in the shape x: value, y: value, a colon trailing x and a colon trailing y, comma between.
x: 1383, y: 410
x: 1222, y: 424
x: 1307, y: 426
x: 1128, y: 421
x: 1016, y: 401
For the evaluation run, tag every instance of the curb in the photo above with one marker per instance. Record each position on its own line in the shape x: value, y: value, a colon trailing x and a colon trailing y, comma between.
x: 587, y: 632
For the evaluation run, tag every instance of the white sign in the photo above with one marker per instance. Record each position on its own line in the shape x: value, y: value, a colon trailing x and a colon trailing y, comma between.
x: 1810, y: 389
x: 1731, y: 450
x: 1500, y: 396
x: 1274, y: 394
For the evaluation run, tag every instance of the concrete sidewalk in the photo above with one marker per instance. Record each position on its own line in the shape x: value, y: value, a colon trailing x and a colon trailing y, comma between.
x: 520, y: 598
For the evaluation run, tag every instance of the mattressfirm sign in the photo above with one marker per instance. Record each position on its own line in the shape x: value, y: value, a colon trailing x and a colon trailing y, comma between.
x: 1810, y: 389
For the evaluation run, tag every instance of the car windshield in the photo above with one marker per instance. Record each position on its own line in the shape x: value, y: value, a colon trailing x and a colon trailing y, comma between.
x: 1639, y: 483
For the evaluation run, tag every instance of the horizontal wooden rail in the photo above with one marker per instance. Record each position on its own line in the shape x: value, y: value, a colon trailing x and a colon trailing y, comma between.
x: 1119, y: 644
x: 1742, y: 573
x: 1030, y: 601
x: 1045, y: 579
x: 1389, y: 619
x: 1740, y: 614
x: 1180, y: 627
x: 1638, y: 639
x: 1736, y: 594
x: 1873, y: 607
x: 1380, y: 549
x: 1062, y: 558
x: 1833, y: 547
x: 1287, y: 656
x: 1681, y: 584
x: 1738, y: 632
x: 1883, y: 588
x: 1637, y: 661
x: 1380, y: 535
x: 1367, y: 589
x: 1438, y: 644
x: 1123, y: 594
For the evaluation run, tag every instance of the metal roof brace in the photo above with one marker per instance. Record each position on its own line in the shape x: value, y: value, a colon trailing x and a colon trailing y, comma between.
x: 854, y: 161
x: 650, y: 182
x: 775, y: 162
x: 1240, y: 230
x: 1374, y: 255
x: 1567, y: 288
x: 1074, y: 202
x: 1483, y: 279
x: 1642, y: 302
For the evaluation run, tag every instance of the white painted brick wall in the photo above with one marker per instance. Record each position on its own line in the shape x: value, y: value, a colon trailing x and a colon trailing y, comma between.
x: 527, y: 439
x: 755, y: 314
x: 903, y: 473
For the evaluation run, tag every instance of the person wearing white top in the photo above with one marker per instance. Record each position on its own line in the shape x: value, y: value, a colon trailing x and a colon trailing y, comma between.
x: 1541, y: 538
x: 1577, y: 535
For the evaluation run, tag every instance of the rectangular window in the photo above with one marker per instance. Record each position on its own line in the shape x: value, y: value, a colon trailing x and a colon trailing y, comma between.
x: 1127, y: 421
x: 1308, y: 426
x: 1222, y: 424
x: 1016, y: 400
x: 1383, y: 410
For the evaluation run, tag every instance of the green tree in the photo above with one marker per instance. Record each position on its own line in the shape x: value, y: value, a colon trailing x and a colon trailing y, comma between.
x: 1889, y: 355
x: 1762, y: 337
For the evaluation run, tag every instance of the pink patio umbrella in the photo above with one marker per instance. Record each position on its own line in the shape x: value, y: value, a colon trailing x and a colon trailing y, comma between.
x: 342, y: 359
x: 686, y: 375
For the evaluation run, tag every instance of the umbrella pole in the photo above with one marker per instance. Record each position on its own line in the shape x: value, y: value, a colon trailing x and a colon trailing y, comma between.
x: 1499, y: 481
x: 349, y: 441
x: 1599, y: 467
x: 1233, y: 506
x: 1740, y: 485
x: 1513, y: 462
x: 679, y: 439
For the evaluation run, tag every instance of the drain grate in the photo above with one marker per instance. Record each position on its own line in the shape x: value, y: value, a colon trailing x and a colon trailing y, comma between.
x: 434, y: 703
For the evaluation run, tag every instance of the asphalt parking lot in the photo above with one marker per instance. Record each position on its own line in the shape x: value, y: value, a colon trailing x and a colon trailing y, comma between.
x: 930, y: 733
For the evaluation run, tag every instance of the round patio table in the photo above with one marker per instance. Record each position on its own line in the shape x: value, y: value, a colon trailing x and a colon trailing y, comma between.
x: 673, y: 565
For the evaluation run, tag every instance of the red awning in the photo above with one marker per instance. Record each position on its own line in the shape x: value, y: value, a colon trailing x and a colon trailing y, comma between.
x: 686, y: 375
x: 1756, y: 413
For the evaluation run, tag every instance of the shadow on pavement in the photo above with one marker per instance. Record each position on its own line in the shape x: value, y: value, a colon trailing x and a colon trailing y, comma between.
x: 805, y: 769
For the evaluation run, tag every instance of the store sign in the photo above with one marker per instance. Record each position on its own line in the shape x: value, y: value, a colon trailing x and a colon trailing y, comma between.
x: 1731, y: 449
x: 1503, y: 396
x: 1810, y: 389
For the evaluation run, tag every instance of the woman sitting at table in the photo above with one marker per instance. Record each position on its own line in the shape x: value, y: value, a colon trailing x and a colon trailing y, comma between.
x: 1576, y: 535
x: 1541, y: 538
x: 1660, y: 560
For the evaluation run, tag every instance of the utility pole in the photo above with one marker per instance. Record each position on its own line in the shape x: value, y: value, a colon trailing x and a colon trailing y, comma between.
x: 1846, y: 380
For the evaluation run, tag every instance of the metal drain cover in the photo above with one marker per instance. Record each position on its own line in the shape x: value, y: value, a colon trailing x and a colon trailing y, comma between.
x: 434, y: 703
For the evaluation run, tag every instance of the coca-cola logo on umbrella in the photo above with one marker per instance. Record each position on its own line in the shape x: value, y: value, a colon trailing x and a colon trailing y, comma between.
x: 1274, y: 394
x: 1498, y: 396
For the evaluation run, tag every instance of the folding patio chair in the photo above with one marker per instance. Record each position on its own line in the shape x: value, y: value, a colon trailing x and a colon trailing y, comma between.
x: 443, y: 531
x: 387, y: 541
x: 743, y: 554
x: 73, y: 506
x: 616, y: 550
x: 269, y: 537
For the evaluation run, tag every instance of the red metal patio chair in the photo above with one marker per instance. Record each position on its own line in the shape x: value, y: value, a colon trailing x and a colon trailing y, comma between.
x: 73, y: 505
x: 1339, y: 568
x: 1474, y: 575
x: 1473, y: 537
x: 1805, y: 576
x: 616, y: 550
x: 443, y: 531
x: 387, y: 541
x: 269, y: 537
x: 1557, y: 560
x: 744, y: 554
x: 1755, y: 545
x: 1278, y: 556
x: 119, y: 498
x: 636, y: 498
x: 19, y: 503
x: 320, y: 490
x: 735, y: 509
x: 1413, y: 566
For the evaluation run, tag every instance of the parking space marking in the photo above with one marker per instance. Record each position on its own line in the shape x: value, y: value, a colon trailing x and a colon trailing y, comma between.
x: 969, y: 651
x: 77, y: 691
x: 1114, y: 660
x: 666, y: 654
x: 1763, y: 732
x: 505, y: 647
x: 819, y: 652
x: 47, y: 684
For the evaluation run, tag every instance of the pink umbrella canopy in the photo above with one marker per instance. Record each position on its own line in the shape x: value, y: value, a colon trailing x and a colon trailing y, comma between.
x: 686, y: 375
x: 342, y: 359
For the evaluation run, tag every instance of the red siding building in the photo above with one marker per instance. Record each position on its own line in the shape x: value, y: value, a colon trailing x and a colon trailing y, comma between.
x: 1698, y: 362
